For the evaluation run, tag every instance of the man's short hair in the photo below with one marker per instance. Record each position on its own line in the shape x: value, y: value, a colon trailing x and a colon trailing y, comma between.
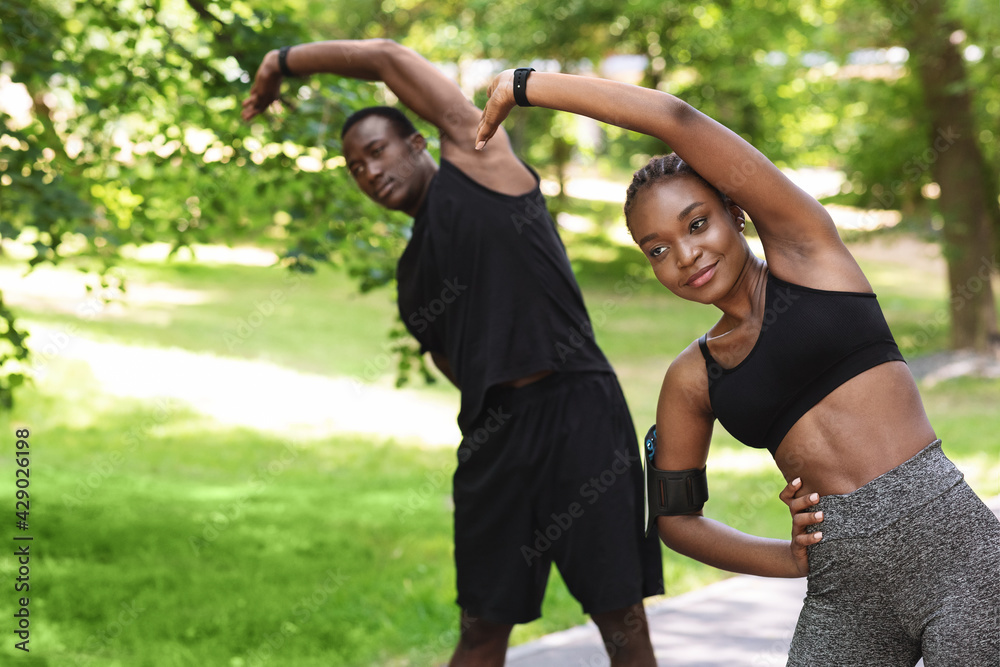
x: 395, y: 117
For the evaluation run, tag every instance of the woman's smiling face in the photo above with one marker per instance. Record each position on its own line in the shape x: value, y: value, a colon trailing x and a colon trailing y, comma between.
x: 690, y: 237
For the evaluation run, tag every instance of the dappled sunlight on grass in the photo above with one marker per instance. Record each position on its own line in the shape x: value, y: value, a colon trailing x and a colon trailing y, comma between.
x: 260, y: 395
x: 317, y: 323
x: 65, y: 290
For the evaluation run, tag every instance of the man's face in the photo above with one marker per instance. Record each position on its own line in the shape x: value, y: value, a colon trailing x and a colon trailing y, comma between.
x: 387, y: 167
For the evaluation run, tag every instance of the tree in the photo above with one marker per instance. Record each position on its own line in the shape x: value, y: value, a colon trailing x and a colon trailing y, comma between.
x: 132, y: 134
x: 959, y: 170
x: 918, y: 144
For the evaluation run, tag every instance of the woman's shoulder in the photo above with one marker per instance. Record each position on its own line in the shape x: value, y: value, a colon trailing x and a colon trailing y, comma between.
x: 686, y: 376
x: 684, y: 409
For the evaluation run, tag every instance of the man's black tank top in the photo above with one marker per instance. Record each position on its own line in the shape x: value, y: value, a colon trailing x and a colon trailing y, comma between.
x: 485, y: 281
x: 810, y: 342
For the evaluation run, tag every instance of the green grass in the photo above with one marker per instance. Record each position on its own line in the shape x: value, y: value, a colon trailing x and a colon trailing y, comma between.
x: 216, y: 544
x: 318, y: 323
x: 162, y: 538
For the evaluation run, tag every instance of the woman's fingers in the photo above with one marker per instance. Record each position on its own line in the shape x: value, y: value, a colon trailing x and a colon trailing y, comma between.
x: 489, y: 122
x: 807, y: 539
x: 501, y: 101
x: 800, y: 522
x: 802, y: 538
x: 803, y: 519
x: 796, y: 505
x: 788, y: 493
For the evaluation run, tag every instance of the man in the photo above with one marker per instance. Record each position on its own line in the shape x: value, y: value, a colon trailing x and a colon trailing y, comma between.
x: 548, y: 468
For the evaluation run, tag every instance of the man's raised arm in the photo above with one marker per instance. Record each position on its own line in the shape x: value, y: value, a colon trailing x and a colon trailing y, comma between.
x: 417, y: 83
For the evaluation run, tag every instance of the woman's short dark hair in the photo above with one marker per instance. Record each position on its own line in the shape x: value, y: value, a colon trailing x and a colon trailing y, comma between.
x: 404, y: 127
x: 659, y: 169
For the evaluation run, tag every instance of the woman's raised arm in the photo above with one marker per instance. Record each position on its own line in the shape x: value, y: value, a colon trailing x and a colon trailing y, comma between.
x: 793, y: 226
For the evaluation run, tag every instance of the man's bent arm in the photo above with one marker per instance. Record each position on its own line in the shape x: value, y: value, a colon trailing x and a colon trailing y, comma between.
x: 417, y: 83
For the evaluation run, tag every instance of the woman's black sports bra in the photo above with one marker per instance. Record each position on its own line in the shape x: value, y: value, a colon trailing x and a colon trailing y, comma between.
x: 811, y: 341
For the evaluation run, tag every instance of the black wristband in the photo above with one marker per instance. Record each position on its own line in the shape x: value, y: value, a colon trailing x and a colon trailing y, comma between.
x: 283, y: 62
x: 521, y: 86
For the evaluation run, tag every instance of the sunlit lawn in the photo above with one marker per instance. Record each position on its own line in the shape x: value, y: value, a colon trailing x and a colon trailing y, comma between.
x: 162, y: 538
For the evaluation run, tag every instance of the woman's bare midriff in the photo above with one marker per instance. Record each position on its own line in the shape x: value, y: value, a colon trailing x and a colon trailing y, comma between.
x: 862, y: 429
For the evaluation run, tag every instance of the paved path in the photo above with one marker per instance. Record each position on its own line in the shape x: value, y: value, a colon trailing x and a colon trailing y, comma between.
x: 743, y: 621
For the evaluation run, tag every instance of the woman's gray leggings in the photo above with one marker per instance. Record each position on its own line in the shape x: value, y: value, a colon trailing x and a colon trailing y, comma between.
x: 909, y: 567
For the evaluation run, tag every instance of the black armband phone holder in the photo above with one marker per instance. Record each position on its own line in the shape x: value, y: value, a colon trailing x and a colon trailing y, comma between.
x: 671, y: 492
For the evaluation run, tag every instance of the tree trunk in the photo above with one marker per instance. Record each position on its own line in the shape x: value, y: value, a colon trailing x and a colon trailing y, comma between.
x: 958, y: 167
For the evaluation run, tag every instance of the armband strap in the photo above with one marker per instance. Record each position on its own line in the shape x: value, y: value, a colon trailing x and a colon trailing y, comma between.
x: 671, y: 492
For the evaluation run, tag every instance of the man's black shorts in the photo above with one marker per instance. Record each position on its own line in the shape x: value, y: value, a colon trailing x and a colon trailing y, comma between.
x: 550, y: 473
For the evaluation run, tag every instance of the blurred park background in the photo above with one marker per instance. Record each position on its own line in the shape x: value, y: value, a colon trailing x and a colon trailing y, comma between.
x: 237, y: 458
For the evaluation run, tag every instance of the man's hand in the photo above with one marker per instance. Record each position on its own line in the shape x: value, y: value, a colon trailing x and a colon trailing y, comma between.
x: 501, y: 94
x: 266, y: 87
x: 800, y: 520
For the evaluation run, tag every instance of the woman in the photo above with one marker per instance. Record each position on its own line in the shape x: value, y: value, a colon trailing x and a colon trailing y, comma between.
x: 801, y: 363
